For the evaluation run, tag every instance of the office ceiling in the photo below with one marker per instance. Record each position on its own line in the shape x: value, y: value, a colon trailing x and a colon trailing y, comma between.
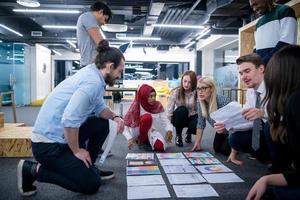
x: 221, y: 16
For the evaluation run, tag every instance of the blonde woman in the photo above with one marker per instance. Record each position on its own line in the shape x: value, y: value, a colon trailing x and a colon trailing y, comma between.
x: 209, y: 102
x: 181, y: 109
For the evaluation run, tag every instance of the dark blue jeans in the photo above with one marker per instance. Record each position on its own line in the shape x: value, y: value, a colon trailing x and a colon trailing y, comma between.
x: 59, y: 165
x: 242, y: 141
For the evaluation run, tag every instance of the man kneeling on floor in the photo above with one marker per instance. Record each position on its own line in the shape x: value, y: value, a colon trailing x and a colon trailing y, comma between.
x: 71, y: 128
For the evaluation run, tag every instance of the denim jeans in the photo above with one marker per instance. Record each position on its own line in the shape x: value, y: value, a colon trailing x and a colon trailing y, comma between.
x: 59, y: 165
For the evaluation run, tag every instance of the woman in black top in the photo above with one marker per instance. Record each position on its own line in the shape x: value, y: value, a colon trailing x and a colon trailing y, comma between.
x: 282, y: 78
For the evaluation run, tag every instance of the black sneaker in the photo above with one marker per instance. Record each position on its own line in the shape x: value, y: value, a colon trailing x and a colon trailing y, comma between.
x: 178, y: 141
x: 26, y: 176
x: 188, y: 138
x: 106, y: 175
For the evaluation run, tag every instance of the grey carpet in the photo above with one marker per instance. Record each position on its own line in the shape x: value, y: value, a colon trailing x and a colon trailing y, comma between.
x: 116, y: 188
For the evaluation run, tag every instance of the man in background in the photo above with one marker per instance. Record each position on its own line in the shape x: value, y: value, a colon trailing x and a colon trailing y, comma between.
x: 88, y: 31
x: 276, y: 28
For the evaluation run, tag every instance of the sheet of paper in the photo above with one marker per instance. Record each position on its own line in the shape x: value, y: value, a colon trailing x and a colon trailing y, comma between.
x: 194, y: 191
x: 148, y: 192
x: 204, y: 161
x: 140, y: 156
x: 207, y: 169
x: 141, y: 162
x: 169, y: 155
x: 185, y: 178
x: 179, y: 169
x: 112, y: 135
x: 198, y: 154
x: 222, y: 178
x: 231, y: 116
x: 142, y: 170
x: 174, y: 162
x: 145, y: 180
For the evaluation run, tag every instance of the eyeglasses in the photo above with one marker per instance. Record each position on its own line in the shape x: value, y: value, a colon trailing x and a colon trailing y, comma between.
x: 202, y: 89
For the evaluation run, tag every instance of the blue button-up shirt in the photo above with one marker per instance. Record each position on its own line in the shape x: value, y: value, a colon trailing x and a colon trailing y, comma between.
x: 70, y: 104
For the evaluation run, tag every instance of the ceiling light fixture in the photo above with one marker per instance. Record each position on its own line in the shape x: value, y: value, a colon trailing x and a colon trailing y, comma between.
x: 56, y: 52
x: 140, y: 38
x: 47, y: 11
x: 203, y: 33
x: 179, y: 26
x: 11, y: 30
x: 115, y: 28
x: 71, y: 43
x: 59, y: 27
x: 189, y: 44
x: 29, y: 3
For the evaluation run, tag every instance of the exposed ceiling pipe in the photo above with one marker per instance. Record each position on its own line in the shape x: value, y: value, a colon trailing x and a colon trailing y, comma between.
x: 172, y: 20
x: 166, y: 19
x: 191, y: 10
x: 176, y: 21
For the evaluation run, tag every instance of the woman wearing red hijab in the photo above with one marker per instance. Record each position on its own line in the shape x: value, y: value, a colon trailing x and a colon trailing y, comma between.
x: 146, y: 121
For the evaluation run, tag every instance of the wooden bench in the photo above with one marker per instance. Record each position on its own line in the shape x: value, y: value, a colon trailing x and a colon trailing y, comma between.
x: 15, y: 140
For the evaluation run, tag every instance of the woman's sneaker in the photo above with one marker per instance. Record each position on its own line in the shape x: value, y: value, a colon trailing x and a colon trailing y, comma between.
x: 26, y: 176
x: 106, y: 175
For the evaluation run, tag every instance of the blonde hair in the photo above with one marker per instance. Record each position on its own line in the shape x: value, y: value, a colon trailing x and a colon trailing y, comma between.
x: 211, y: 105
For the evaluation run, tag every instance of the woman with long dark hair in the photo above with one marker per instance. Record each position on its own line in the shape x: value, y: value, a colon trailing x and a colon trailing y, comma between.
x: 282, y: 79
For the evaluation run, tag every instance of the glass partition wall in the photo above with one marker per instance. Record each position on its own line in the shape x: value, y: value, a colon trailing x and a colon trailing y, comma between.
x: 15, y: 71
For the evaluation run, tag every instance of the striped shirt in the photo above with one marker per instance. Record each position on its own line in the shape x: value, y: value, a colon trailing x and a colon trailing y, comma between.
x: 221, y: 102
x: 274, y: 30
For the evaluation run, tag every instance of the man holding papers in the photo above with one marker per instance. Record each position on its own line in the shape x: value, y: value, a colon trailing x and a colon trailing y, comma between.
x: 251, y: 70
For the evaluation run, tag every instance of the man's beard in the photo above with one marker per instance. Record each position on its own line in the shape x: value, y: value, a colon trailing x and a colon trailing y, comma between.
x: 109, y: 80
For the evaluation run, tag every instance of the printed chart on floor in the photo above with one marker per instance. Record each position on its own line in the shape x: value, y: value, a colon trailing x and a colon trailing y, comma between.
x: 148, y: 192
x: 170, y: 155
x: 179, y: 169
x: 164, y: 162
x: 194, y: 191
x: 185, y: 178
x: 140, y: 156
x: 141, y: 162
x: 204, y: 161
x: 207, y: 169
x: 198, y: 154
x: 142, y: 170
x: 145, y: 180
x: 222, y: 178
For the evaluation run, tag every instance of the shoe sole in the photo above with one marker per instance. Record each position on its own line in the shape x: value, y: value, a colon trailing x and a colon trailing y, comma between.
x: 20, y: 180
x: 107, y: 177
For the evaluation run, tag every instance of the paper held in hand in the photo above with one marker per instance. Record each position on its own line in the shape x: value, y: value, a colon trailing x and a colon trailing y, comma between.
x: 232, y: 118
x: 111, y: 138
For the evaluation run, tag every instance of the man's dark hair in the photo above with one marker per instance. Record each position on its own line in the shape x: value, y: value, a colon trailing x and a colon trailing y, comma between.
x: 108, y: 54
x: 97, y: 6
x: 253, y: 58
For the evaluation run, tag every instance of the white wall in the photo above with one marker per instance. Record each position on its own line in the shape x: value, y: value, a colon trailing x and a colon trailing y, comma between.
x: 41, y: 72
x: 173, y: 55
x: 207, y: 46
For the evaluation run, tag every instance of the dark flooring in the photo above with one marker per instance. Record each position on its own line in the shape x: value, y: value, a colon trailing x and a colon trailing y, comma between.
x: 116, y: 188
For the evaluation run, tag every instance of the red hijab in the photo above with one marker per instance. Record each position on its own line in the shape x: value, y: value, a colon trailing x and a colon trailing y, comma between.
x: 132, y: 117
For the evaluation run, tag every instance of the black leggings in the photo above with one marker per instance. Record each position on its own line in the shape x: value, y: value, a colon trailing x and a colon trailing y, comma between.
x: 59, y: 165
x: 181, y: 119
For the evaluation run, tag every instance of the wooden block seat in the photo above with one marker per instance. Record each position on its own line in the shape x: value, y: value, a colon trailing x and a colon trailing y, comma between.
x: 15, y: 140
